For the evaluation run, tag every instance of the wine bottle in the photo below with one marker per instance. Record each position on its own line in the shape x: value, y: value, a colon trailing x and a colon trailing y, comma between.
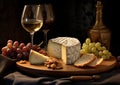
x: 99, y: 32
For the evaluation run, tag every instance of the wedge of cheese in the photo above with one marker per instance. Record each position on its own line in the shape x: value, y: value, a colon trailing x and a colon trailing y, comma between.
x: 84, y: 60
x: 36, y: 58
x: 66, y: 48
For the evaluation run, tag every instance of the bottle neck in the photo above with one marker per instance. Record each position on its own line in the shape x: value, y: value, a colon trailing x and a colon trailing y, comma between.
x: 99, y: 21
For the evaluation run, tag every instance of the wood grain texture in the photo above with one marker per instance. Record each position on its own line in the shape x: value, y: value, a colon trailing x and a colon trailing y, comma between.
x: 68, y: 70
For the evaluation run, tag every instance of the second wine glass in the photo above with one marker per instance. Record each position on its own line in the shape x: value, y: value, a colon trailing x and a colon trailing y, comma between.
x: 48, y: 19
x: 32, y: 19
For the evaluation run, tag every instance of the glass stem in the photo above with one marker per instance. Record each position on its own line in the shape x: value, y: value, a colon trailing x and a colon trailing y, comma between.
x: 32, y: 36
x: 45, y: 38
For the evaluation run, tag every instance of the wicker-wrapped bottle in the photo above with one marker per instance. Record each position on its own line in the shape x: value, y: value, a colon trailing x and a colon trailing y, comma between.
x: 99, y: 32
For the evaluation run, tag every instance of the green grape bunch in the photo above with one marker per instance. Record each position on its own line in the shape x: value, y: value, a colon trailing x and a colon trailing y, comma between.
x: 95, y: 48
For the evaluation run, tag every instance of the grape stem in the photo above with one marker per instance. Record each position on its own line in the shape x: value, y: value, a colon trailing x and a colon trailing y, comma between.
x: 40, y: 44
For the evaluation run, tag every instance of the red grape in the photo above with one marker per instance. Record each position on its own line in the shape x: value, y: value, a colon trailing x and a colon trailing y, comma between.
x: 26, y: 54
x: 4, y: 49
x: 34, y: 47
x: 21, y: 45
x: 117, y: 65
x: 16, y: 50
x: 25, y: 49
x: 9, y: 51
x: 10, y: 41
x: 38, y: 49
x: 19, y: 50
x: 16, y: 43
x: 29, y: 45
x: 118, y: 58
x: 19, y: 56
x: 9, y: 45
x: 4, y: 53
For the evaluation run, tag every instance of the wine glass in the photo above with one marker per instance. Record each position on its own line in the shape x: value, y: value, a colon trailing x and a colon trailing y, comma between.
x: 32, y: 19
x: 48, y: 19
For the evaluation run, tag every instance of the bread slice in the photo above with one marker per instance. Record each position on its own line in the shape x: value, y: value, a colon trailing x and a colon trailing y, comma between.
x: 96, y: 62
x: 84, y: 60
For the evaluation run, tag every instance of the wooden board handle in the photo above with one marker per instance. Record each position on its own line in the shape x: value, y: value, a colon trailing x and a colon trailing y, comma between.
x: 78, y: 78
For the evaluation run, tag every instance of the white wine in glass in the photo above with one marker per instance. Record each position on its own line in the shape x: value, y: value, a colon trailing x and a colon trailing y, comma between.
x: 32, y: 19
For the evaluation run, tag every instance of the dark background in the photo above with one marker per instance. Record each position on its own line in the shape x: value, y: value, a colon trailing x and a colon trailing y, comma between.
x: 72, y: 18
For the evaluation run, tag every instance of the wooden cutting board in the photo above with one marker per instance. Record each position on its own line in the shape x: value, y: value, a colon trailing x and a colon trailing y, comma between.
x: 68, y: 70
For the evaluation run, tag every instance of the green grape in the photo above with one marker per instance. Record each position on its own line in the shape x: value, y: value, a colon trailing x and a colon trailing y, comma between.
x: 105, y: 52
x: 89, y: 49
x: 100, y: 53
x: 93, y: 49
x: 83, y: 51
x: 99, y: 48
x: 107, y: 57
x: 96, y: 52
x: 85, y: 46
x: 87, y: 41
x: 98, y: 44
x: 103, y: 48
x: 91, y: 44
x: 109, y: 54
x: 103, y: 56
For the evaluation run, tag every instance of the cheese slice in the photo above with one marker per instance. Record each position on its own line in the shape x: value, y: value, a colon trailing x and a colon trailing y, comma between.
x: 84, y: 60
x: 36, y: 58
x: 66, y: 48
x: 96, y: 62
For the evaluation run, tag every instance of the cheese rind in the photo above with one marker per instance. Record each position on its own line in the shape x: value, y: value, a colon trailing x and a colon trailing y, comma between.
x: 54, y: 49
x: 36, y: 58
x: 66, y: 48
